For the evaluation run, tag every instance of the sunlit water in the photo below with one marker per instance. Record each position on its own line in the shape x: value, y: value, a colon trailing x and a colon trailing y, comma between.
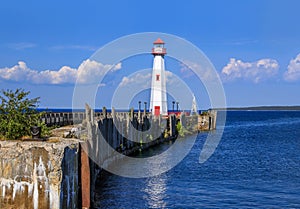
x: 256, y: 165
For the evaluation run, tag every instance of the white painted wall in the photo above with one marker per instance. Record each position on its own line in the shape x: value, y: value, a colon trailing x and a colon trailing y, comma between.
x: 158, y: 88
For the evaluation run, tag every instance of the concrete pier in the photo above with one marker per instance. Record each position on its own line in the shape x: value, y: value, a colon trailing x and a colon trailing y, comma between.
x: 207, y: 120
x: 62, y: 173
x: 39, y: 174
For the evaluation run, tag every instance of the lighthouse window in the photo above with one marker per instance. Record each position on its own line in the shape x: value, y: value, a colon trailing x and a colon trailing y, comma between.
x: 157, y: 77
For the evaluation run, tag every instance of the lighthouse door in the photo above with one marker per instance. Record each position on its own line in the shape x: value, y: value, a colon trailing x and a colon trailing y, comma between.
x: 157, y: 110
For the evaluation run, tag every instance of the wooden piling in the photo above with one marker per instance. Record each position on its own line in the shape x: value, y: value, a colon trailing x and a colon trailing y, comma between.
x: 85, y: 180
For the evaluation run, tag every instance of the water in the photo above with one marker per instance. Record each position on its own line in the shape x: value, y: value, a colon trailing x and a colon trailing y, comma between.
x: 256, y: 165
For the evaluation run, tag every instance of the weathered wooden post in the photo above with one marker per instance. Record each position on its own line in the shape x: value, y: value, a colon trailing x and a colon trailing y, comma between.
x: 114, y: 128
x: 214, y: 119
x: 129, y: 143
x: 139, y: 112
x: 183, y: 119
x: 145, y: 109
x: 85, y: 165
x: 85, y: 180
x: 172, y: 122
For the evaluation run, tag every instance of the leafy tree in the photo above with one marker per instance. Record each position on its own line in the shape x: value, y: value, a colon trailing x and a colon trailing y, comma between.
x: 18, y: 113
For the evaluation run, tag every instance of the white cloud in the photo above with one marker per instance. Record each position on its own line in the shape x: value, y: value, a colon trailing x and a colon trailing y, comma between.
x: 88, y: 72
x: 21, y: 45
x: 140, y: 78
x: 117, y: 67
x: 187, y: 71
x: 63, y: 75
x: 170, y: 78
x: 254, y: 71
x: 144, y: 78
x: 91, y: 71
x: 293, y: 70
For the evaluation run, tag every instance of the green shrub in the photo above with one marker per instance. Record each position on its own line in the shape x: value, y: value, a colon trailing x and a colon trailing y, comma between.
x: 179, y: 129
x: 18, y: 113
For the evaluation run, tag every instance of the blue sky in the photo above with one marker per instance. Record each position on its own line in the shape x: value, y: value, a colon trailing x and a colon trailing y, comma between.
x: 253, y: 44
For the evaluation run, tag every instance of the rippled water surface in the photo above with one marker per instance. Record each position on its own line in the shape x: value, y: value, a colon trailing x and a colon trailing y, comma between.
x: 256, y: 165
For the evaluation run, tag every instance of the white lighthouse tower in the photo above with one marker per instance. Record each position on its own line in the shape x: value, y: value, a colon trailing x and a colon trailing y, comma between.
x: 158, y: 101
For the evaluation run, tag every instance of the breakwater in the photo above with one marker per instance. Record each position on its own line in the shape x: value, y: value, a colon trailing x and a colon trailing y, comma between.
x: 112, y: 135
x: 62, y: 173
x: 62, y: 118
x: 206, y: 120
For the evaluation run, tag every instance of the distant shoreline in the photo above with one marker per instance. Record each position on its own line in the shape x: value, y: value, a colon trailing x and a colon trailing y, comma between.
x: 262, y: 108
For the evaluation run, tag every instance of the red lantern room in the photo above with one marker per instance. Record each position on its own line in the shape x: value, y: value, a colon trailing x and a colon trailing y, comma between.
x: 158, y: 47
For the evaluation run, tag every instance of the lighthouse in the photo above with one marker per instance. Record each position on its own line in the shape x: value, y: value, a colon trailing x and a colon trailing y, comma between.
x: 158, y: 100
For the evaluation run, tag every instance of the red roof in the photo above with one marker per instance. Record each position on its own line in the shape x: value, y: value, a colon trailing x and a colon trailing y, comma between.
x: 158, y: 41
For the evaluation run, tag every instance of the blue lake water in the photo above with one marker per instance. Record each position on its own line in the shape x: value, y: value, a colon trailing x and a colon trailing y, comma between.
x: 256, y: 165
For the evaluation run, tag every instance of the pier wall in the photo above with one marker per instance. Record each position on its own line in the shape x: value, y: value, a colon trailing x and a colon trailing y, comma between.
x: 63, y: 118
x: 39, y: 174
x: 117, y: 129
x: 206, y: 120
x: 63, y: 173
